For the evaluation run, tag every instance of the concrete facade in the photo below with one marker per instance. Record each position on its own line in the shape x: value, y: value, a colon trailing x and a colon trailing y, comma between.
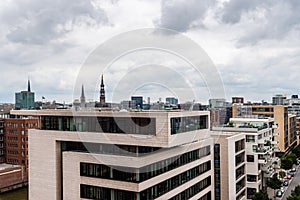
x: 55, y: 173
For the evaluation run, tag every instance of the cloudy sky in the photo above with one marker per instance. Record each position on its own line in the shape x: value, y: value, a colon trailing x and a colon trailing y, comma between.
x: 254, y: 45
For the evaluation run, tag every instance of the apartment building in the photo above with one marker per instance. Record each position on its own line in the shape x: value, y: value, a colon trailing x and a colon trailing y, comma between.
x: 120, y: 155
x: 286, y: 131
x: 244, y: 157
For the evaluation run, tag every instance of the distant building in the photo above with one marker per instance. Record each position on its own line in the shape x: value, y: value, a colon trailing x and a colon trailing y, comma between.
x: 128, y: 104
x: 220, y: 115
x: 2, y: 144
x: 138, y: 102
x: 102, y: 93
x: 24, y: 99
x: 82, y: 97
x: 237, y: 99
x: 217, y: 103
x: 278, y: 99
x: 172, y: 101
x: 280, y: 115
x: 16, y: 141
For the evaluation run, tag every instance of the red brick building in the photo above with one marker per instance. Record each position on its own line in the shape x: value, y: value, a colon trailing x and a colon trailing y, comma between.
x: 11, y: 177
x: 16, y: 141
x: 2, y: 144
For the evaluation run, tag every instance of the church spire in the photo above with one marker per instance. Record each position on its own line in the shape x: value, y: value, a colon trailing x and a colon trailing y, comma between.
x: 82, y: 97
x: 102, y: 93
x: 28, y: 89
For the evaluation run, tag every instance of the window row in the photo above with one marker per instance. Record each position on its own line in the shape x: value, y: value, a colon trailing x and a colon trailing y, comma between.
x: 195, y: 189
x: 144, y: 173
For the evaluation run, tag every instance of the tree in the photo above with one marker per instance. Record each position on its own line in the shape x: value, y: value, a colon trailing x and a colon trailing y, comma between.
x: 261, y: 195
x: 292, y: 157
x: 295, y: 194
x: 296, y: 151
x: 286, y: 163
x: 282, y: 174
x: 274, y: 183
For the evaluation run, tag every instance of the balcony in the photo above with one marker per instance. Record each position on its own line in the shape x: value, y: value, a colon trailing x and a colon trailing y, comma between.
x: 263, y: 150
x: 276, y: 134
x: 274, y: 126
x: 275, y: 142
x: 261, y: 141
x: 262, y: 161
x: 277, y: 149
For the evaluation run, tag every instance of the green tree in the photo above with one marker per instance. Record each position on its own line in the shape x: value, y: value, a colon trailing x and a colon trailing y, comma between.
x: 295, y: 195
x: 286, y: 163
x: 292, y: 157
x: 282, y: 174
x: 274, y: 183
x: 296, y: 151
x: 261, y: 195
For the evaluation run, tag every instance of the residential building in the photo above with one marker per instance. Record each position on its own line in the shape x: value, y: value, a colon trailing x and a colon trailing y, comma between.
x: 120, y: 155
x: 244, y: 158
x: 216, y: 103
x: 278, y: 112
x: 292, y: 130
x: 24, y: 99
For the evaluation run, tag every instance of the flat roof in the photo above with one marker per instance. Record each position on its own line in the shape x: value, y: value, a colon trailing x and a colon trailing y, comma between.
x: 70, y: 112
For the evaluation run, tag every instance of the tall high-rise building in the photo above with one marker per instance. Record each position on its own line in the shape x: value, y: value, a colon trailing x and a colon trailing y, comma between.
x: 121, y: 155
x: 102, y: 93
x: 24, y: 99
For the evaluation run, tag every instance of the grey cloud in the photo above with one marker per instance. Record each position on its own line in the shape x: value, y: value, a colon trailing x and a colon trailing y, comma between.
x: 180, y: 15
x: 273, y: 19
x: 38, y: 22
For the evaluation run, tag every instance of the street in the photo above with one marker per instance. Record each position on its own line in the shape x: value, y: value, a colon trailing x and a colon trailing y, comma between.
x: 294, y: 182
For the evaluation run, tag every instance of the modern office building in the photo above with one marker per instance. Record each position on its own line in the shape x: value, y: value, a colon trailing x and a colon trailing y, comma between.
x: 278, y: 112
x: 120, y: 155
x: 244, y: 158
x: 172, y: 101
x: 24, y: 99
x: 278, y: 99
x: 138, y: 102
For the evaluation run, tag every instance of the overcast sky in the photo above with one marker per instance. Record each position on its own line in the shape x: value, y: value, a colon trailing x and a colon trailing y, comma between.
x: 255, y: 46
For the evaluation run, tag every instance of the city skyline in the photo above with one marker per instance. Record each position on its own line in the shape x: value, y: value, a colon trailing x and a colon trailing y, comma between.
x: 254, y: 45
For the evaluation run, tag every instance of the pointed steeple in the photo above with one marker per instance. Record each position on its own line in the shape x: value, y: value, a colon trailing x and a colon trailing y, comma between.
x: 28, y: 89
x: 102, y: 93
x: 82, y: 97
